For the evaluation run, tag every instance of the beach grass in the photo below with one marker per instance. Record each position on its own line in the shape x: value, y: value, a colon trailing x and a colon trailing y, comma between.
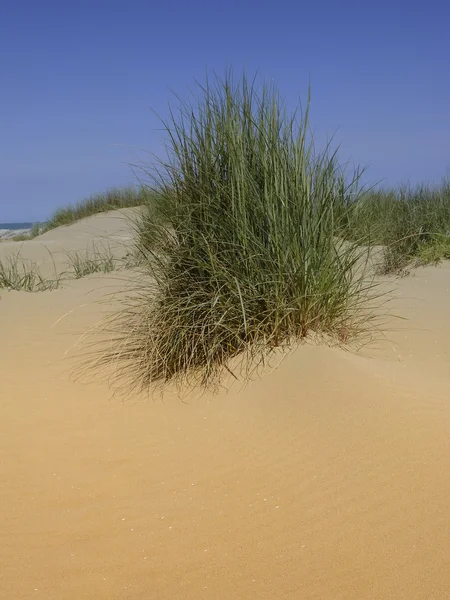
x: 20, y: 274
x: 26, y: 276
x: 22, y: 237
x: 112, y: 199
x: 98, y: 259
x: 241, y: 243
x: 411, y: 223
x: 29, y: 235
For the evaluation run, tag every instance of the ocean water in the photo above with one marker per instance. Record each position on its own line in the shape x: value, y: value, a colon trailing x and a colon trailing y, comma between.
x: 15, y: 226
x: 9, y: 230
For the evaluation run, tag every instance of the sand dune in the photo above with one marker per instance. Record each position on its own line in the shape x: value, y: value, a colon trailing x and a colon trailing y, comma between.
x: 327, y: 479
x: 112, y: 231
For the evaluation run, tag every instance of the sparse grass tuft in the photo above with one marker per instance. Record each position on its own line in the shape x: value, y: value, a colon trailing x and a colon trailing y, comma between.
x: 20, y: 275
x: 23, y: 237
x: 242, y: 256
x: 98, y: 260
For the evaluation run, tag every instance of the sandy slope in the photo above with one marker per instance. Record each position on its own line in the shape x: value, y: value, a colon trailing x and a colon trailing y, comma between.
x: 106, y: 231
x: 328, y: 479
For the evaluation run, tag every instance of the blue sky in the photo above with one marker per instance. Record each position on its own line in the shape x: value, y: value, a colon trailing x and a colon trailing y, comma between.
x: 78, y: 80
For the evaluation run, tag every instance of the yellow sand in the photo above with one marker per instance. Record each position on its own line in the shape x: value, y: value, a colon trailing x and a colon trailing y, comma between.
x: 327, y: 479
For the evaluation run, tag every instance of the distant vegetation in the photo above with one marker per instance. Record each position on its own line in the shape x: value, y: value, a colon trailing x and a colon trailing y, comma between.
x: 412, y: 224
x: 112, y: 199
x: 19, y: 274
x: 34, y: 231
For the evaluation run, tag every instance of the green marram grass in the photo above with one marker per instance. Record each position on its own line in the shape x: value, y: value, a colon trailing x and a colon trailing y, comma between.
x: 419, y: 228
x: 411, y: 223
x: 241, y: 246
x: 112, y: 199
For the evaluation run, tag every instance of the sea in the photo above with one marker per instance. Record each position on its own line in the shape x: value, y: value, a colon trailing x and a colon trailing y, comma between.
x: 8, y: 230
x: 16, y: 226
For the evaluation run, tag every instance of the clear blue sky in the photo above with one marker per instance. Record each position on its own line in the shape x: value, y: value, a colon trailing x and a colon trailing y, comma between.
x: 78, y: 80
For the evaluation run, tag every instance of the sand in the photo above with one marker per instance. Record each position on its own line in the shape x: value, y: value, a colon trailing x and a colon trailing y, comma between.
x: 108, y: 232
x: 326, y: 479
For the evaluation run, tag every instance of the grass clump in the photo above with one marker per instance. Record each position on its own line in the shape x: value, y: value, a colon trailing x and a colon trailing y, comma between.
x: 112, y: 199
x: 242, y: 255
x: 98, y: 260
x: 413, y: 224
x: 20, y: 275
x: 418, y: 230
x: 368, y: 215
x: 435, y: 250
